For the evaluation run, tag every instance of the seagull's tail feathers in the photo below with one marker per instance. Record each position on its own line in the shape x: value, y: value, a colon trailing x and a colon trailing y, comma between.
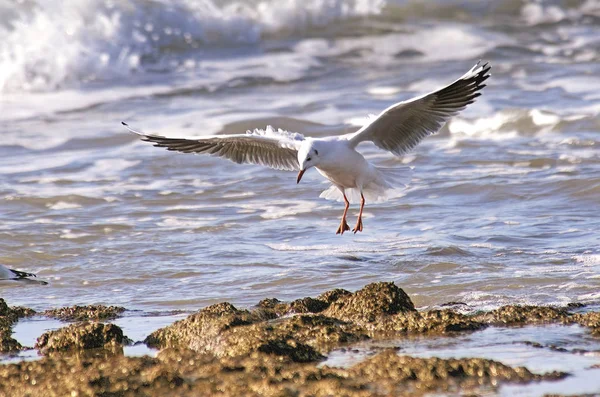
x: 389, y: 183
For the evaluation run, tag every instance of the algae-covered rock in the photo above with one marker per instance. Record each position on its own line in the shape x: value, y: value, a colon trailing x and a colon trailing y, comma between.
x: 7, y: 343
x: 73, y: 376
x: 333, y: 295
x: 434, y: 321
x: 590, y: 320
x: 436, y: 373
x: 187, y: 373
x: 202, y: 331
x: 308, y: 305
x: 83, y: 313
x: 514, y: 315
x: 86, y: 335
x: 369, y: 303
x: 8, y: 316
x: 223, y: 330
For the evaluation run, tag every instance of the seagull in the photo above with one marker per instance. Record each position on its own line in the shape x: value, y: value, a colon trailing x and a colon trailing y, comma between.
x: 397, y: 129
x: 16, y: 275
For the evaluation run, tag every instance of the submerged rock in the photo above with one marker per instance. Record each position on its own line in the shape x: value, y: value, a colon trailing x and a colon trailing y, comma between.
x: 86, y: 335
x: 83, y: 313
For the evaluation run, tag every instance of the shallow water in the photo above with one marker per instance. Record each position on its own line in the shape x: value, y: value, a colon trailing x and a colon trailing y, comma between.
x: 502, y: 208
x: 561, y: 348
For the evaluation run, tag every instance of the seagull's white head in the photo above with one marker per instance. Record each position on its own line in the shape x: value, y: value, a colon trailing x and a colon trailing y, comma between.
x: 308, y: 156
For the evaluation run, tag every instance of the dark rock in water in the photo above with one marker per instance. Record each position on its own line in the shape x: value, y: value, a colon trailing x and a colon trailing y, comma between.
x: 371, y: 302
x: 409, y: 53
x: 453, y: 303
x: 83, y: 313
x: 86, y: 335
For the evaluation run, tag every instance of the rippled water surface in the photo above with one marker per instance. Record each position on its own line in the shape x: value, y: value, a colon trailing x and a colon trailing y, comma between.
x: 504, y: 202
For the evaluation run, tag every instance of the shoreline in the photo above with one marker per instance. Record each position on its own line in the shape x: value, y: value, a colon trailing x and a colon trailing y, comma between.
x: 370, y: 342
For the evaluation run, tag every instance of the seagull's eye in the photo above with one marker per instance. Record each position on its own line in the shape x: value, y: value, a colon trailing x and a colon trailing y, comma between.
x: 308, y: 159
x: 316, y: 152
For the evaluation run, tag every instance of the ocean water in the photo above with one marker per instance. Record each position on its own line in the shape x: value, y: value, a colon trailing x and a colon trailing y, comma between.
x: 503, y: 207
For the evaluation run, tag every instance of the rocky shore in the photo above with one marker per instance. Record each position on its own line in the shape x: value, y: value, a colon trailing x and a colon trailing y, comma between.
x: 274, y: 349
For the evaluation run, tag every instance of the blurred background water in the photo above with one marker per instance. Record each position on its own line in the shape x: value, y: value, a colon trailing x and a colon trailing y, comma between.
x: 504, y: 202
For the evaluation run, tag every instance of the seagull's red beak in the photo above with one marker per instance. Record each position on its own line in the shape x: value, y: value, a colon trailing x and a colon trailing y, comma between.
x: 300, y: 176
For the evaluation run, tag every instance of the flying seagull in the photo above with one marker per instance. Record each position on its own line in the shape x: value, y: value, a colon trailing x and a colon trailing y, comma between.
x: 397, y: 129
x: 16, y: 275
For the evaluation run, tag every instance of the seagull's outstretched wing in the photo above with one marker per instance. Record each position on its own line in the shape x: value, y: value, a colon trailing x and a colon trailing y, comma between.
x: 272, y: 148
x: 17, y: 275
x: 402, y: 126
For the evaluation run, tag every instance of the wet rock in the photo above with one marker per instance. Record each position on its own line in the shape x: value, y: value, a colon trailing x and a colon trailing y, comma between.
x: 201, y: 331
x: 434, y: 321
x: 298, y: 352
x: 369, y: 303
x: 22, y: 312
x: 271, y: 308
x: 224, y: 331
x: 83, y: 313
x: 7, y: 343
x: 436, y: 373
x: 590, y: 320
x: 86, y: 335
x: 8, y: 316
x: 187, y: 373
x: 334, y: 295
x: 516, y: 315
x: 308, y: 305
x: 69, y: 376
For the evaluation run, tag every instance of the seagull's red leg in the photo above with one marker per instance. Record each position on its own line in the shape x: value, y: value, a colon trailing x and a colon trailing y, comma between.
x: 344, y: 225
x: 359, y: 225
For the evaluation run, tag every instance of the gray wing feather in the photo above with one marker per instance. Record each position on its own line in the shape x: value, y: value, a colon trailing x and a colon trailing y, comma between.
x: 270, y: 148
x: 402, y: 126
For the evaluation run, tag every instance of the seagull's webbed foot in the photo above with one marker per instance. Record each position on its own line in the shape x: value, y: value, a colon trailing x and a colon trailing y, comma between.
x: 359, y: 226
x: 343, y: 227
